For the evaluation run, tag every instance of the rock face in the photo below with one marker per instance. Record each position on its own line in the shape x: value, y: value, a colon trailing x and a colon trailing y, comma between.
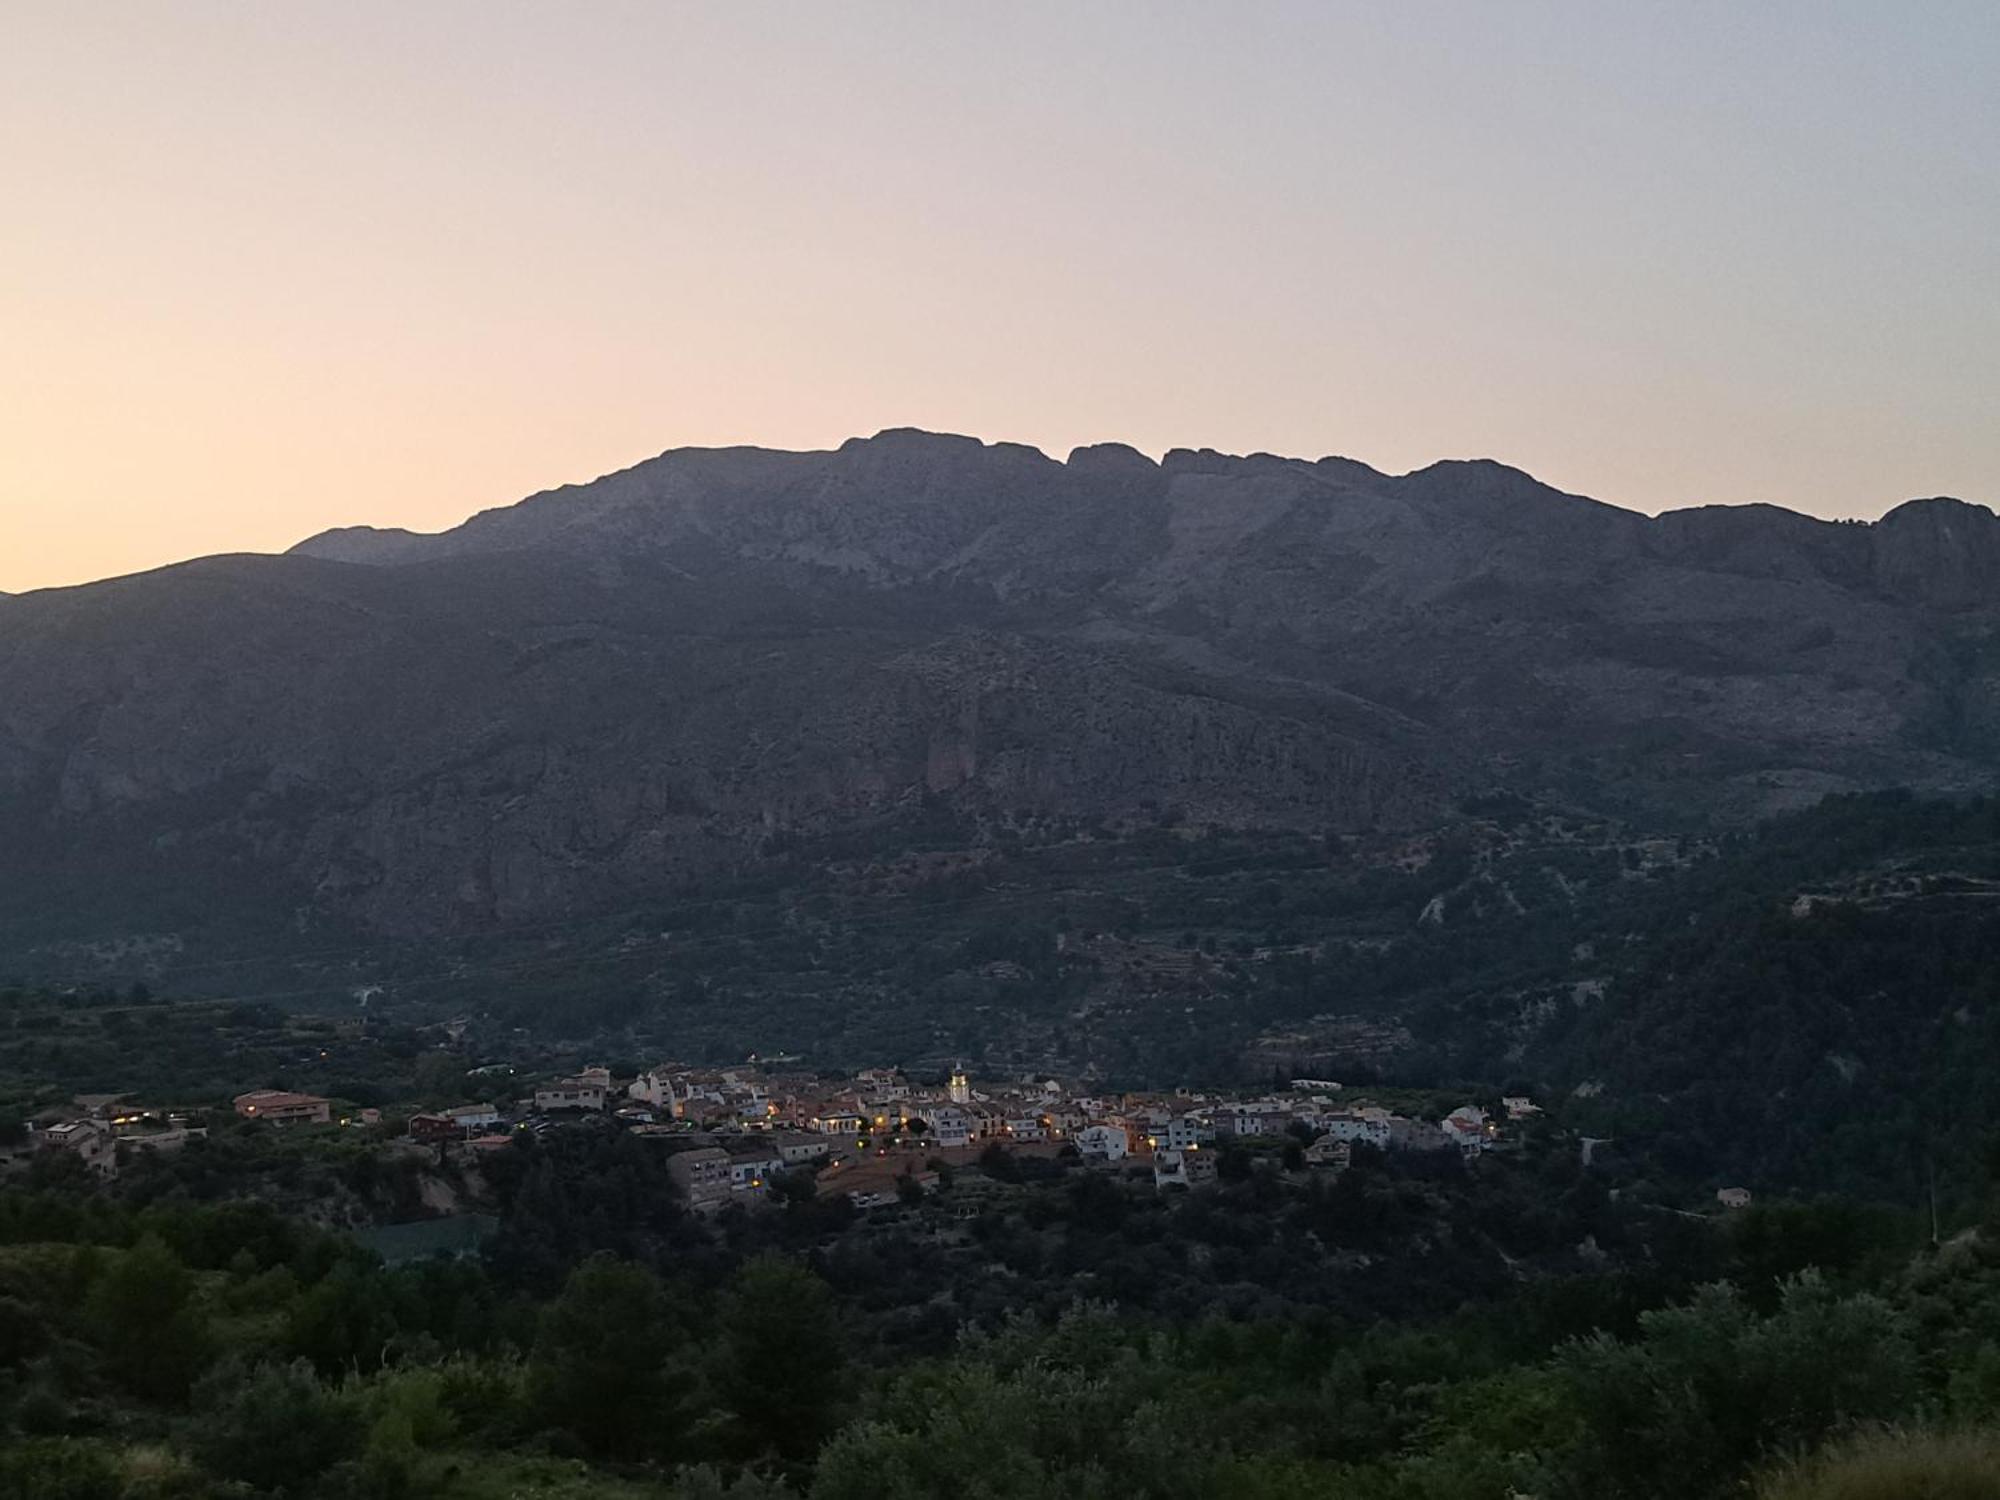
x: 571, y: 700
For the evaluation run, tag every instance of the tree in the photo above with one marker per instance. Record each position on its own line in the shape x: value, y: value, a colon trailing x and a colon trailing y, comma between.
x: 345, y: 1322
x: 407, y: 1414
x: 795, y: 1187
x: 24, y: 1333
x: 440, y: 1077
x: 141, y: 1307
x: 600, y: 1362
x: 275, y: 1427
x: 782, y: 1367
x: 1709, y: 1386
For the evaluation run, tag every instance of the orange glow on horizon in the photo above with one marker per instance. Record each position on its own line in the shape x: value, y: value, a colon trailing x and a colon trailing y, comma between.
x: 269, y: 272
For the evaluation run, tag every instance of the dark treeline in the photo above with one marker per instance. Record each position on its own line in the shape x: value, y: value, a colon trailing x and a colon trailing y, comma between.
x: 1412, y: 1330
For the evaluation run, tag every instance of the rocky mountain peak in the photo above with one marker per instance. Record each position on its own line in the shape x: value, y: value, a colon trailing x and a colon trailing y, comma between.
x: 1111, y: 459
x: 363, y: 544
x: 1942, y: 551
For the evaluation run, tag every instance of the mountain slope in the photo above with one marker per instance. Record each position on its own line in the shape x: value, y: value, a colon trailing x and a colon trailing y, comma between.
x: 618, y: 687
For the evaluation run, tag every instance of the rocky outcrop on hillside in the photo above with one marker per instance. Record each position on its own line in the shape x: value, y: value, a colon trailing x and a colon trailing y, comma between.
x: 641, y: 680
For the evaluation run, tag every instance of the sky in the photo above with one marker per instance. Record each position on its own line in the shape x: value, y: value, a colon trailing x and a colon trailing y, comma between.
x: 266, y: 269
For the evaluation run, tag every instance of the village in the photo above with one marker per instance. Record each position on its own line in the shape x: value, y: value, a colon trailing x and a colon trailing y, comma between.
x: 747, y: 1135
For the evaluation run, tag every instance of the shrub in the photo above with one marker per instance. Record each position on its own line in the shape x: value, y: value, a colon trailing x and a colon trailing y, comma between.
x: 58, y: 1469
x: 276, y: 1426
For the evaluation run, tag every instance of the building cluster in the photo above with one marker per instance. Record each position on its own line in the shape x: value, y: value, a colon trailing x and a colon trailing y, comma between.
x: 96, y: 1127
x: 753, y: 1127
x: 738, y: 1131
x: 726, y: 1167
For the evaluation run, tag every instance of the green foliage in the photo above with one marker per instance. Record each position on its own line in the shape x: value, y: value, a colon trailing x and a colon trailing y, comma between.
x: 1709, y: 1386
x: 1833, y: 1045
x: 783, y: 1368
x: 274, y: 1426
x: 58, y: 1469
x: 143, y: 1307
x: 807, y: 1383
x: 407, y: 1417
x: 1083, y: 1410
x: 1413, y: 1328
x: 605, y: 1361
x: 345, y: 1322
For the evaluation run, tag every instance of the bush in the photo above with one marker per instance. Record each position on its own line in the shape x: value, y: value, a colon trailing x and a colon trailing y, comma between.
x: 276, y: 1426
x: 58, y: 1469
x: 1709, y: 1387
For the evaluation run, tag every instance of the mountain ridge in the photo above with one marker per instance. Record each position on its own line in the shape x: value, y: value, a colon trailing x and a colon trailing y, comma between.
x: 616, y: 687
x: 1486, y: 483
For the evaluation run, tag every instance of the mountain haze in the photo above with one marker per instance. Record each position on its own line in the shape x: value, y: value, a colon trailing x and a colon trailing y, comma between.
x: 615, y: 687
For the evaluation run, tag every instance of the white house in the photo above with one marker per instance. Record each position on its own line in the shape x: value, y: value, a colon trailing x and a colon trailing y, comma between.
x: 1356, y: 1129
x: 1105, y: 1141
x: 1466, y: 1128
x: 658, y: 1087
x: 1260, y: 1118
x: 86, y: 1141
x: 750, y: 1171
x: 580, y: 1092
x: 797, y: 1150
x: 885, y: 1084
x: 951, y: 1126
x: 652, y: 1087
x: 1065, y: 1121
x: 1027, y: 1128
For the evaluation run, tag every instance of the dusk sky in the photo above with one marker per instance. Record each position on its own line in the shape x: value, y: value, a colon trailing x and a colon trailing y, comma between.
x: 268, y: 269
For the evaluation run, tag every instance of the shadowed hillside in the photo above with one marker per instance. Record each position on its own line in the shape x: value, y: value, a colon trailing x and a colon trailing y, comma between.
x: 568, y: 705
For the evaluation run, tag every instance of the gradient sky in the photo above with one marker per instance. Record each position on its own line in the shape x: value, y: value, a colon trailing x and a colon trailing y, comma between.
x: 270, y: 268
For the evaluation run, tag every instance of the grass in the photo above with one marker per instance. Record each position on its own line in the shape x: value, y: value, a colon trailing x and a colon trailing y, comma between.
x: 1900, y: 1464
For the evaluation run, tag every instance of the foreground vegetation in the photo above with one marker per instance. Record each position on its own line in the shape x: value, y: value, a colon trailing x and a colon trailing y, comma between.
x: 1413, y: 1329
x: 193, y: 1349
